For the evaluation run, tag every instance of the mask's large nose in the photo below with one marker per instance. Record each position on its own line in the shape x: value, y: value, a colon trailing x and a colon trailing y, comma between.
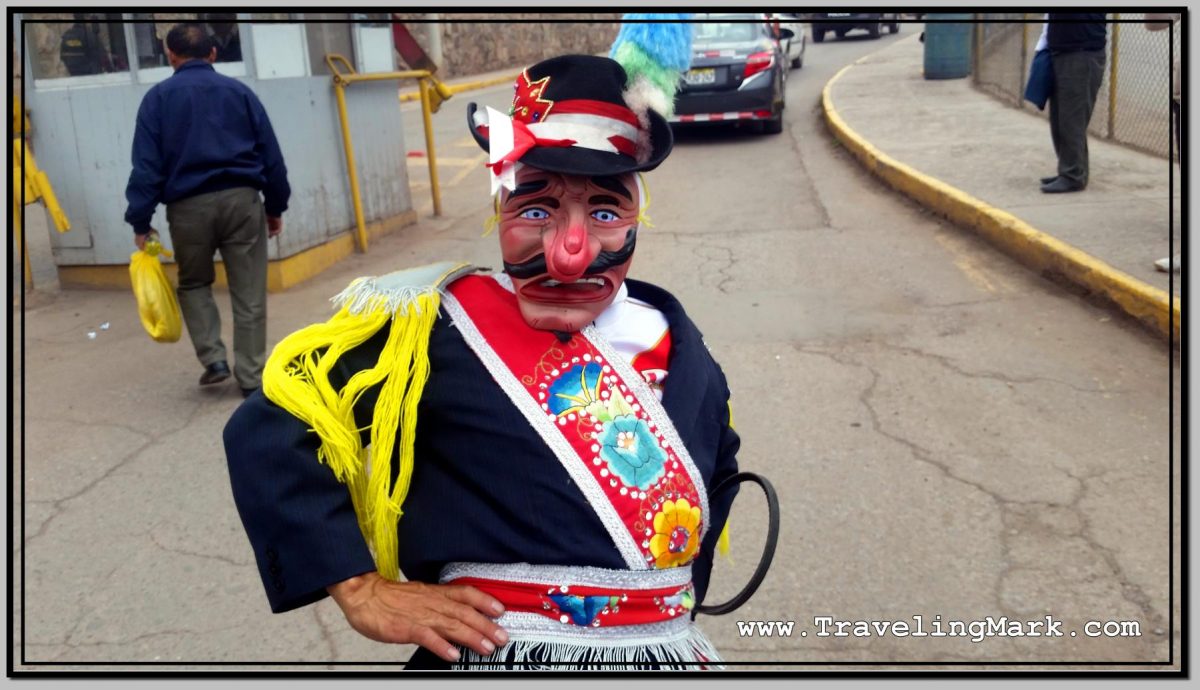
x: 569, y: 252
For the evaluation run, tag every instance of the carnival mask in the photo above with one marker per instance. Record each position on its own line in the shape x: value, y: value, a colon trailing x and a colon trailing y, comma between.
x: 567, y: 242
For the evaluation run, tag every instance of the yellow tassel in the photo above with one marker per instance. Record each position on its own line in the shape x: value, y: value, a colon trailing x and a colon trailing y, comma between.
x: 644, y: 218
x: 296, y: 378
x: 490, y: 224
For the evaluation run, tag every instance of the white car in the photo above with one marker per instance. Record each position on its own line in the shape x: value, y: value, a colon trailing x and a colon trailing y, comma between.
x: 793, y: 47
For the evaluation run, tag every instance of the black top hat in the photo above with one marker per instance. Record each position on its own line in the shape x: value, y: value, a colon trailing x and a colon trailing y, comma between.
x: 580, y: 99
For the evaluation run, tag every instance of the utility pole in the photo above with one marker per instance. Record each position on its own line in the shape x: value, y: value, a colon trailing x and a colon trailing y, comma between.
x: 435, y: 39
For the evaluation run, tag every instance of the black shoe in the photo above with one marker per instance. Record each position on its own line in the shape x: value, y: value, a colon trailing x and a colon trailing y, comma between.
x: 1061, y: 185
x: 214, y: 373
x: 247, y: 392
x: 1048, y: 180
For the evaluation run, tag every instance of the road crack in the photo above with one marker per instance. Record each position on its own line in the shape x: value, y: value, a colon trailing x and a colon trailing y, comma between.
x: 723, y: 257
x: 949, y: 364
x: 1012, y: 511
x: 326, y: 634
x: 194, y: 554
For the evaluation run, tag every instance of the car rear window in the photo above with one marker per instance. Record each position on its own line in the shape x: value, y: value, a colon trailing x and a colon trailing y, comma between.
x: 720, y: 32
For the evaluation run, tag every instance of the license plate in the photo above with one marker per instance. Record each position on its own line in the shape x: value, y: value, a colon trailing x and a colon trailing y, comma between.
x: 697, y: 77
x: 839, y: 14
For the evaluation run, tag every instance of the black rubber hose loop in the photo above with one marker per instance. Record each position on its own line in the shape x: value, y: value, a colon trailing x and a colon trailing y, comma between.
x: 768, y: 554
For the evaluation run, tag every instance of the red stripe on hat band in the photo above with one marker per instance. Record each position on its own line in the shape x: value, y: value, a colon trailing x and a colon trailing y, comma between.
x: 584, y: 106
x: 624, y: 145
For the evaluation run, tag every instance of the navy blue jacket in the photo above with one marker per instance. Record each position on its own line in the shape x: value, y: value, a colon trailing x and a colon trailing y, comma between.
x: 1070, y: 32
x: 485, y: 488
x: 199, y: 131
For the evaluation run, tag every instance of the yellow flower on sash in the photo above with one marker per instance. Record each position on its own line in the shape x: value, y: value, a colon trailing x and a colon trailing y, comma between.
x: 677, y: 534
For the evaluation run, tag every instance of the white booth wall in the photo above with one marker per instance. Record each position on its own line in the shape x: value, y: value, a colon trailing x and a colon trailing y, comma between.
x: 83, y: 131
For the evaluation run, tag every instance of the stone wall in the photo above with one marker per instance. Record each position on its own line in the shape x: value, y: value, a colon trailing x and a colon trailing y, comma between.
x: 471, y: 47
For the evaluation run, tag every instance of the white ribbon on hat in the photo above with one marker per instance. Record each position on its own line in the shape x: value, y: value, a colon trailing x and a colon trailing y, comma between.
x: 587, y: 131
x: 500, y: 142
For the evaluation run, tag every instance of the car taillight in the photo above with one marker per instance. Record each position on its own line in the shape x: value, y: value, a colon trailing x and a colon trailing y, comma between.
x: 758, y: 62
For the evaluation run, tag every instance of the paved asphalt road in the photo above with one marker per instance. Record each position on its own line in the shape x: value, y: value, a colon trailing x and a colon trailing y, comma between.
x: 950, y: 435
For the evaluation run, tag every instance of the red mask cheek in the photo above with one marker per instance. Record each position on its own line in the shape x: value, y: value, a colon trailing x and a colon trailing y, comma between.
x: 519, y: 240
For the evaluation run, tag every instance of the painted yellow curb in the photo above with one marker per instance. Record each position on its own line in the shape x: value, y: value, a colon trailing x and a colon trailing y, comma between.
x: 459, y: 88
x: 1036, y: 249
x: 281, y: 273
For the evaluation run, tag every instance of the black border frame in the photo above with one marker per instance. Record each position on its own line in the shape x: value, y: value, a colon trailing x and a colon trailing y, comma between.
x: 923, y: 669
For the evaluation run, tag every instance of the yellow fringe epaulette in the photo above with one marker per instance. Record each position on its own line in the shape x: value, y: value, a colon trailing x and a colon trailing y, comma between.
x: 296, y: 378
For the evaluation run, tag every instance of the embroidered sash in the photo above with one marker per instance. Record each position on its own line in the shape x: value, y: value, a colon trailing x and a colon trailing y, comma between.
x: 601, y: 420
x: 560, y: 617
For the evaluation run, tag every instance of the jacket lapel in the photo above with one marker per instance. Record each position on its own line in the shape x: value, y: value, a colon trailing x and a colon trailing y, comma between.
x: 683, y: 390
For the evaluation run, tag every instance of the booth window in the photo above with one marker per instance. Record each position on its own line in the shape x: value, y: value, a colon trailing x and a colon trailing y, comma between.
x: 373, y: 49
x: 150, y: 31
x: 224, y: 31
x: 327, y: 37
x: 75, y: 45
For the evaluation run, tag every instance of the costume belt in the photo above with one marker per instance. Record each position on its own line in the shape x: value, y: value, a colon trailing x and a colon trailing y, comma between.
x: 572, y: 617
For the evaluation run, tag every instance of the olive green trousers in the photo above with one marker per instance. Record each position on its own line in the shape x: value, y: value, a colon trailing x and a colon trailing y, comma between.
x: 232, y: 222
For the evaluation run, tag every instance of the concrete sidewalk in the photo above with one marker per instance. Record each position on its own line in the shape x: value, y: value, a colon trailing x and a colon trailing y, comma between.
x: 988, y: 156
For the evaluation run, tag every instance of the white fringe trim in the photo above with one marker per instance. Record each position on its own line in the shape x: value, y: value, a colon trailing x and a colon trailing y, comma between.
x: 364, y: 295
x: 692, y: 651
x: 398, y: 291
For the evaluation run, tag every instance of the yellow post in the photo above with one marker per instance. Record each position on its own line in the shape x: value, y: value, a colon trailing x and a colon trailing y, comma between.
x: 359, y: 224
x: 427, y: 114
x: 431, y: 97
x: 1112, y: 78
x: 18, y: 214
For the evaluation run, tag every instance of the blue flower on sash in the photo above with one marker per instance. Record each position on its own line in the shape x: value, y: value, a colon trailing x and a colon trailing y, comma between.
x: 632, y: 452
x: 575, y: 389
x: 582, y: 610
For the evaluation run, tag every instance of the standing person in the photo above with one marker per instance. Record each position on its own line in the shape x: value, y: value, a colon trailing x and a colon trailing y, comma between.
x: 204, y: 147
x: 225, y: 37
x: 1159, y: 21
x: 556, y: 498
x: 1076, y: 42
x: 81, y: 49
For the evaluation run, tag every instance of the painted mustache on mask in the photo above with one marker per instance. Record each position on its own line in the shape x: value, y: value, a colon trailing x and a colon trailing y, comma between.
x: 604, y: 260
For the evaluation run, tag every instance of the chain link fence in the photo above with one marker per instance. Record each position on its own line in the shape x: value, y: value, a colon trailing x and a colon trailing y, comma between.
x: 1133, y: 106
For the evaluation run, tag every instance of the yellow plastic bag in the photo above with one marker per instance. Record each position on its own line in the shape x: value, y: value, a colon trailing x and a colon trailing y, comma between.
x: 155, y: 296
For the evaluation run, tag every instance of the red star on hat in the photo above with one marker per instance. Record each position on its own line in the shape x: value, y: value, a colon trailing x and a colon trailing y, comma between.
x: 528, y: 105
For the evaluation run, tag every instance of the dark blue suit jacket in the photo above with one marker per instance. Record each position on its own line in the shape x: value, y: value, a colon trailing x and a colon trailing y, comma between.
x: 485, y: 488
x: 197, y: 132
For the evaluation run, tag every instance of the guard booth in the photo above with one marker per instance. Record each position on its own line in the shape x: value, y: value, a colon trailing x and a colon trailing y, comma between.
x: 84, y: 76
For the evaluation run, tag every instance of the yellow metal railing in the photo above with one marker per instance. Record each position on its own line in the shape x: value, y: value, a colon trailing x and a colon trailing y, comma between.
x: 468, y: 86
x: 431, y: 91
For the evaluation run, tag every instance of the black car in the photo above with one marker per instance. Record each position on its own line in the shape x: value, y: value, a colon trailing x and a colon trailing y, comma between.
x: 842, y: 23
x: 737, y: 72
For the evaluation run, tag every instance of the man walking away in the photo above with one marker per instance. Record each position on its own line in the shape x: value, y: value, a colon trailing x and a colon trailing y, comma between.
x: 204, y: 147
x: 1076, y: 41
